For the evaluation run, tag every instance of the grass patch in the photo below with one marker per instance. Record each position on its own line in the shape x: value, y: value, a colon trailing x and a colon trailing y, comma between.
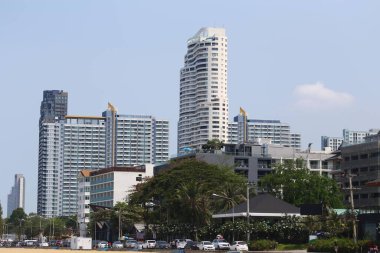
x: 291, y: 246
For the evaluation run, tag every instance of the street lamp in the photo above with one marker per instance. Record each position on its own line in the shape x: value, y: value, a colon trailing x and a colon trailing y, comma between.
x: 21, y: 220
x: 233, y: 212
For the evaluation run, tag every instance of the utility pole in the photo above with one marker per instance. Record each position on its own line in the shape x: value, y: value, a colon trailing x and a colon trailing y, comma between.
x: 352, y: 206
x: 248, y: 233
x: 354, y: 234
x: 119, y: 224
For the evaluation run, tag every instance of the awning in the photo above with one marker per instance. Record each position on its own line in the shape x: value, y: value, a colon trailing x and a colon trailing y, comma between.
x: 139, y: 227
x: 374, y: 183
x: 262, y: 205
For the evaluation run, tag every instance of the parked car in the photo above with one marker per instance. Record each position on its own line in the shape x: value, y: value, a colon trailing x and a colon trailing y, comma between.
x: 239, y: 246
x: 179, y: 243
x: 66, y: 243
x: 221, y: 244
x: 130, y: 244
x: 117, y: 245
x: 43, y: 244
x: 192, y: 245
x: 29, y: 243
x: 206, y: 245
x: 102, y: 244
x: 162, y: 245
x: 149, y: 244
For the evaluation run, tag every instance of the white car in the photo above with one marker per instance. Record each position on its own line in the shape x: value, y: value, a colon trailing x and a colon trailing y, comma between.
x: 149, y: 244
x: 221, y: 244
x: 43, y: 244
x: 102, y: 245
x: 206, y: 245
x: 117, y: 245
x: 239, y: 246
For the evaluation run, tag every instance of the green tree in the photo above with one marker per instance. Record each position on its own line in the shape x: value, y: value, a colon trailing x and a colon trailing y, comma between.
x: 125, y: 215
x: 181, y: 194
x: 55, y: 228
x: 296, y: 184
x: 212, y: 145
x: 17, y: 219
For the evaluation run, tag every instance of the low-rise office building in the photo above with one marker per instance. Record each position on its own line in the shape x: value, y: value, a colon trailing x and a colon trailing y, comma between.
x: 255, y: 160
x: 105, y: 187
x: 111, y: 185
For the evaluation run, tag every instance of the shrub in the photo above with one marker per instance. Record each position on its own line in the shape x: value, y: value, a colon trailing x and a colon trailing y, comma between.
x: 344, y: 245
x: 262, y: 245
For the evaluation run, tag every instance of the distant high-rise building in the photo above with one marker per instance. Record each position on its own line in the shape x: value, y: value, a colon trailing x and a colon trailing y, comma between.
x: 331, y: 142
x: 53, y: 109
x: 16, y: 198
x: 53, y: 106
x: 203, y: 112
x: 76, y: 143
x: 355, y: 137
x: 243, y: 130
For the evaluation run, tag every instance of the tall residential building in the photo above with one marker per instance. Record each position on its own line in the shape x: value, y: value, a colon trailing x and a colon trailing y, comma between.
x: 243, y: 130
x: 135, y: 139
x: 75, y: 143
x: 354, y: 137
x: 203, y: 112
x: 53, y: 109
x: 83, y: 142
x: 331, y: 142
x: 16, y: 198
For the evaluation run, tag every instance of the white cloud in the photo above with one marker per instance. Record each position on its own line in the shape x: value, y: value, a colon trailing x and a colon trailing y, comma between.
x: 318, y: 96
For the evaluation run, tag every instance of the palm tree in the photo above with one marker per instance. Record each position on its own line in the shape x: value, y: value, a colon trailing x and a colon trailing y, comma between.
x: 126, y: 214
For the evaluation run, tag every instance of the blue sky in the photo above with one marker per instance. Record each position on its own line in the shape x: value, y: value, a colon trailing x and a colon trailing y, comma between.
x: 312, y: 64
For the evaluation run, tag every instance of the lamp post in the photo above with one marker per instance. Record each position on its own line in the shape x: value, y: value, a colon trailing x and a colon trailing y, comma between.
x: 233, y: 212
x: 249, y: 185
x: 20, y: 231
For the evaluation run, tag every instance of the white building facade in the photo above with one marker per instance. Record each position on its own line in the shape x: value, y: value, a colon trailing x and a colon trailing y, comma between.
x: 114, y: 184
x: 50, y: 161
x: 83, y: 214
x: 203, y: 113
x: 331, y: 142
x: 83, y: 148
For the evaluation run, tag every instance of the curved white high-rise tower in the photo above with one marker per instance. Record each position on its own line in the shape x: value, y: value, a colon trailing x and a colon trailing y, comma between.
x: 203, y: 112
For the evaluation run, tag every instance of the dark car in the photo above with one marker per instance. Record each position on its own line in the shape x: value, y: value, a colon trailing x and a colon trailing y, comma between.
x: 162, y: 245
x: 192, y: 245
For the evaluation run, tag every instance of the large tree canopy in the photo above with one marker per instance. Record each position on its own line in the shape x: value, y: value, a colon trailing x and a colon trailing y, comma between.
x: 183, y: 193
x: 295, y: 184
